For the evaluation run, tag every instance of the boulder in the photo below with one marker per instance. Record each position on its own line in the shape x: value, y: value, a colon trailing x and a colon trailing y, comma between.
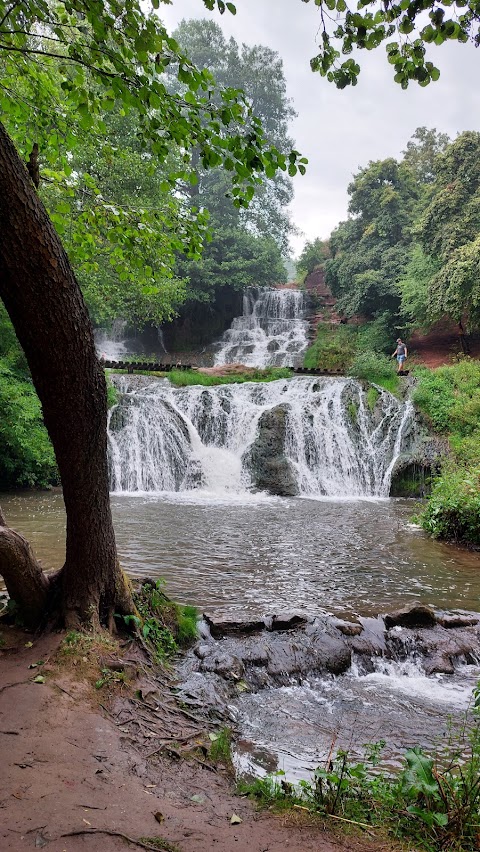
x: 412, y: 616
x: 453, y: 620
x: 233, y: 623
x: 269, y: 467
x: 348, y: 628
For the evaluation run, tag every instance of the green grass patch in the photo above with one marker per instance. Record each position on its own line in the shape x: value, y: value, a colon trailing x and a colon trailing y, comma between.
x: 353, y: 351
x: 333, y: 348
x: 375, y: 368
x: 184, y: 378
x: 221, y: 746
x: 373, y: 395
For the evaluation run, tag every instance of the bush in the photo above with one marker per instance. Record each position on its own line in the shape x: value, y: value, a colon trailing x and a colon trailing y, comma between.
x: 27, y: 457
x: 450, y: 399
x: 375, y: 368
x: 453, y: 511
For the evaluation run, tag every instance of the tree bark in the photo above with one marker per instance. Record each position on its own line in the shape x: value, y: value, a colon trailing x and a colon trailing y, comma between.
x: 51, y: 321
x: 23, y: 575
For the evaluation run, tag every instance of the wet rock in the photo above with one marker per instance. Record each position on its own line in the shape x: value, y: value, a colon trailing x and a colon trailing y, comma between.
x: 202, y: 651
x: 226, y: 665
x: 287, y: 621
x: 348, y: 628
x: 453, y: 619
x: 439, y: 664
x: 269, y: 467
x: 412, y: 616
x: 413, y: 469
x: 233, y: 623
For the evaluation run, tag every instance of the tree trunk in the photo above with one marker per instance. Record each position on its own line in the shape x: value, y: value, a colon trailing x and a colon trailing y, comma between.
x: 51, y: 321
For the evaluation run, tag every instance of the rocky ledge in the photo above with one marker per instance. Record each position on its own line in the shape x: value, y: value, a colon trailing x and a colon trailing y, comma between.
x: 238, y: 653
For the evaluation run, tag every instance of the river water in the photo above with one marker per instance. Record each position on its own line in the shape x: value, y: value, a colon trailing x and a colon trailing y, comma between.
x: 264, y: 553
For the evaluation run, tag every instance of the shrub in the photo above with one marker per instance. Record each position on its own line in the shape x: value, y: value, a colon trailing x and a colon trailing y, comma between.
x: 27, y: 457
x: 453, y: 510
x: 375, y: 368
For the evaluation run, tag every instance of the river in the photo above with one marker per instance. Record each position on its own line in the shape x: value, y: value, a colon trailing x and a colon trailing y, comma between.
x: 264, y: 553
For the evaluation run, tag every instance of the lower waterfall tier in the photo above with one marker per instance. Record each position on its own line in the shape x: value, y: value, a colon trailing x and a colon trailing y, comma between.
x: 300, y: 436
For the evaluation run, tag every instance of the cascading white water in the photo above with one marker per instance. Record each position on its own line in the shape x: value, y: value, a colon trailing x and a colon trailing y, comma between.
x: 173, y: 439
x: 271, y: 333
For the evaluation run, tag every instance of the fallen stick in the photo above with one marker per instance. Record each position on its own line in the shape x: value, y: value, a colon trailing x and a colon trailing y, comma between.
x: 111, y: 834
x: 342, y: 819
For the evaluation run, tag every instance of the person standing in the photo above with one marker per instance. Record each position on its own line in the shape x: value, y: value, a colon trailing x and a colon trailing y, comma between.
x: 401, y: 353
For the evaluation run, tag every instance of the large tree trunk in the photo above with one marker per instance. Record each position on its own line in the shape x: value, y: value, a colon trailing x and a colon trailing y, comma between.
x: 51, y: 321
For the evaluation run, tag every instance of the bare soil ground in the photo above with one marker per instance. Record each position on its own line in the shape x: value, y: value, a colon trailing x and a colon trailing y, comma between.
x: 75, y: 771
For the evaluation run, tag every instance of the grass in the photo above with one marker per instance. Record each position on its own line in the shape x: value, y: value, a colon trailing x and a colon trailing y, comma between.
x: 348, y: 349
x: 221, y: 747
x: 185, y: 378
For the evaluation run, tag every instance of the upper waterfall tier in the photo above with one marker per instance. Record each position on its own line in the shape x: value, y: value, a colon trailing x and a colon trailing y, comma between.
x: 297, y: 436
x: 271, y: 333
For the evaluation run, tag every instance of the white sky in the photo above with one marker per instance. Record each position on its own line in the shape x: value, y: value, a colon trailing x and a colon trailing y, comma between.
x: 340, y: 131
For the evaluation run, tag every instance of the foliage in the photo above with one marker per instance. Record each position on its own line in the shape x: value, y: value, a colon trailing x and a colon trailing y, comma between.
x: 235, y: 258
x: 375, y: 368
x: 450, y: 398
x: 414, y: 287
x: 163, y: 624
x: 347, y: 349
x: 432, y: 800
x: 332, y: 349
x: 448, y: 231
x: 112, y: 394
x: 422, y: 150
x: 370, y: 251
x: 411, y: 25
x: 124, y: 149
x: 27, y: 457
x: 314, y: 253
x: 453, y: 510
x: 258, y: 71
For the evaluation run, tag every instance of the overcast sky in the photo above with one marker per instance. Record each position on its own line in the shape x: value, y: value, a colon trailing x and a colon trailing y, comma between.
x: 340, y: 131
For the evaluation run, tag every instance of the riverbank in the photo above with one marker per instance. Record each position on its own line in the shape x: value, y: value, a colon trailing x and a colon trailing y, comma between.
x: 88, y: 769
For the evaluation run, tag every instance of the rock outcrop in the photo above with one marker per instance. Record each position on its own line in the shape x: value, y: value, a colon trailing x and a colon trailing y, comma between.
x: 269, y: 467
x: 239, y: 653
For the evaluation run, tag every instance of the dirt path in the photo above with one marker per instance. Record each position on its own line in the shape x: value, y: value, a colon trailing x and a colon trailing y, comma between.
x: 69, y: 766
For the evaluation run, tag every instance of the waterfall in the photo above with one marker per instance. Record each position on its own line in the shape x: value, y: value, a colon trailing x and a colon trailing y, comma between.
x: 110, y: 343
x: 271, y: 333
x: 305, y: 436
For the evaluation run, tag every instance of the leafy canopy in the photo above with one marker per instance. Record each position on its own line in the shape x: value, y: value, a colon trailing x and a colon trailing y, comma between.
x: 406, y: 26
x: 64, y: 68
